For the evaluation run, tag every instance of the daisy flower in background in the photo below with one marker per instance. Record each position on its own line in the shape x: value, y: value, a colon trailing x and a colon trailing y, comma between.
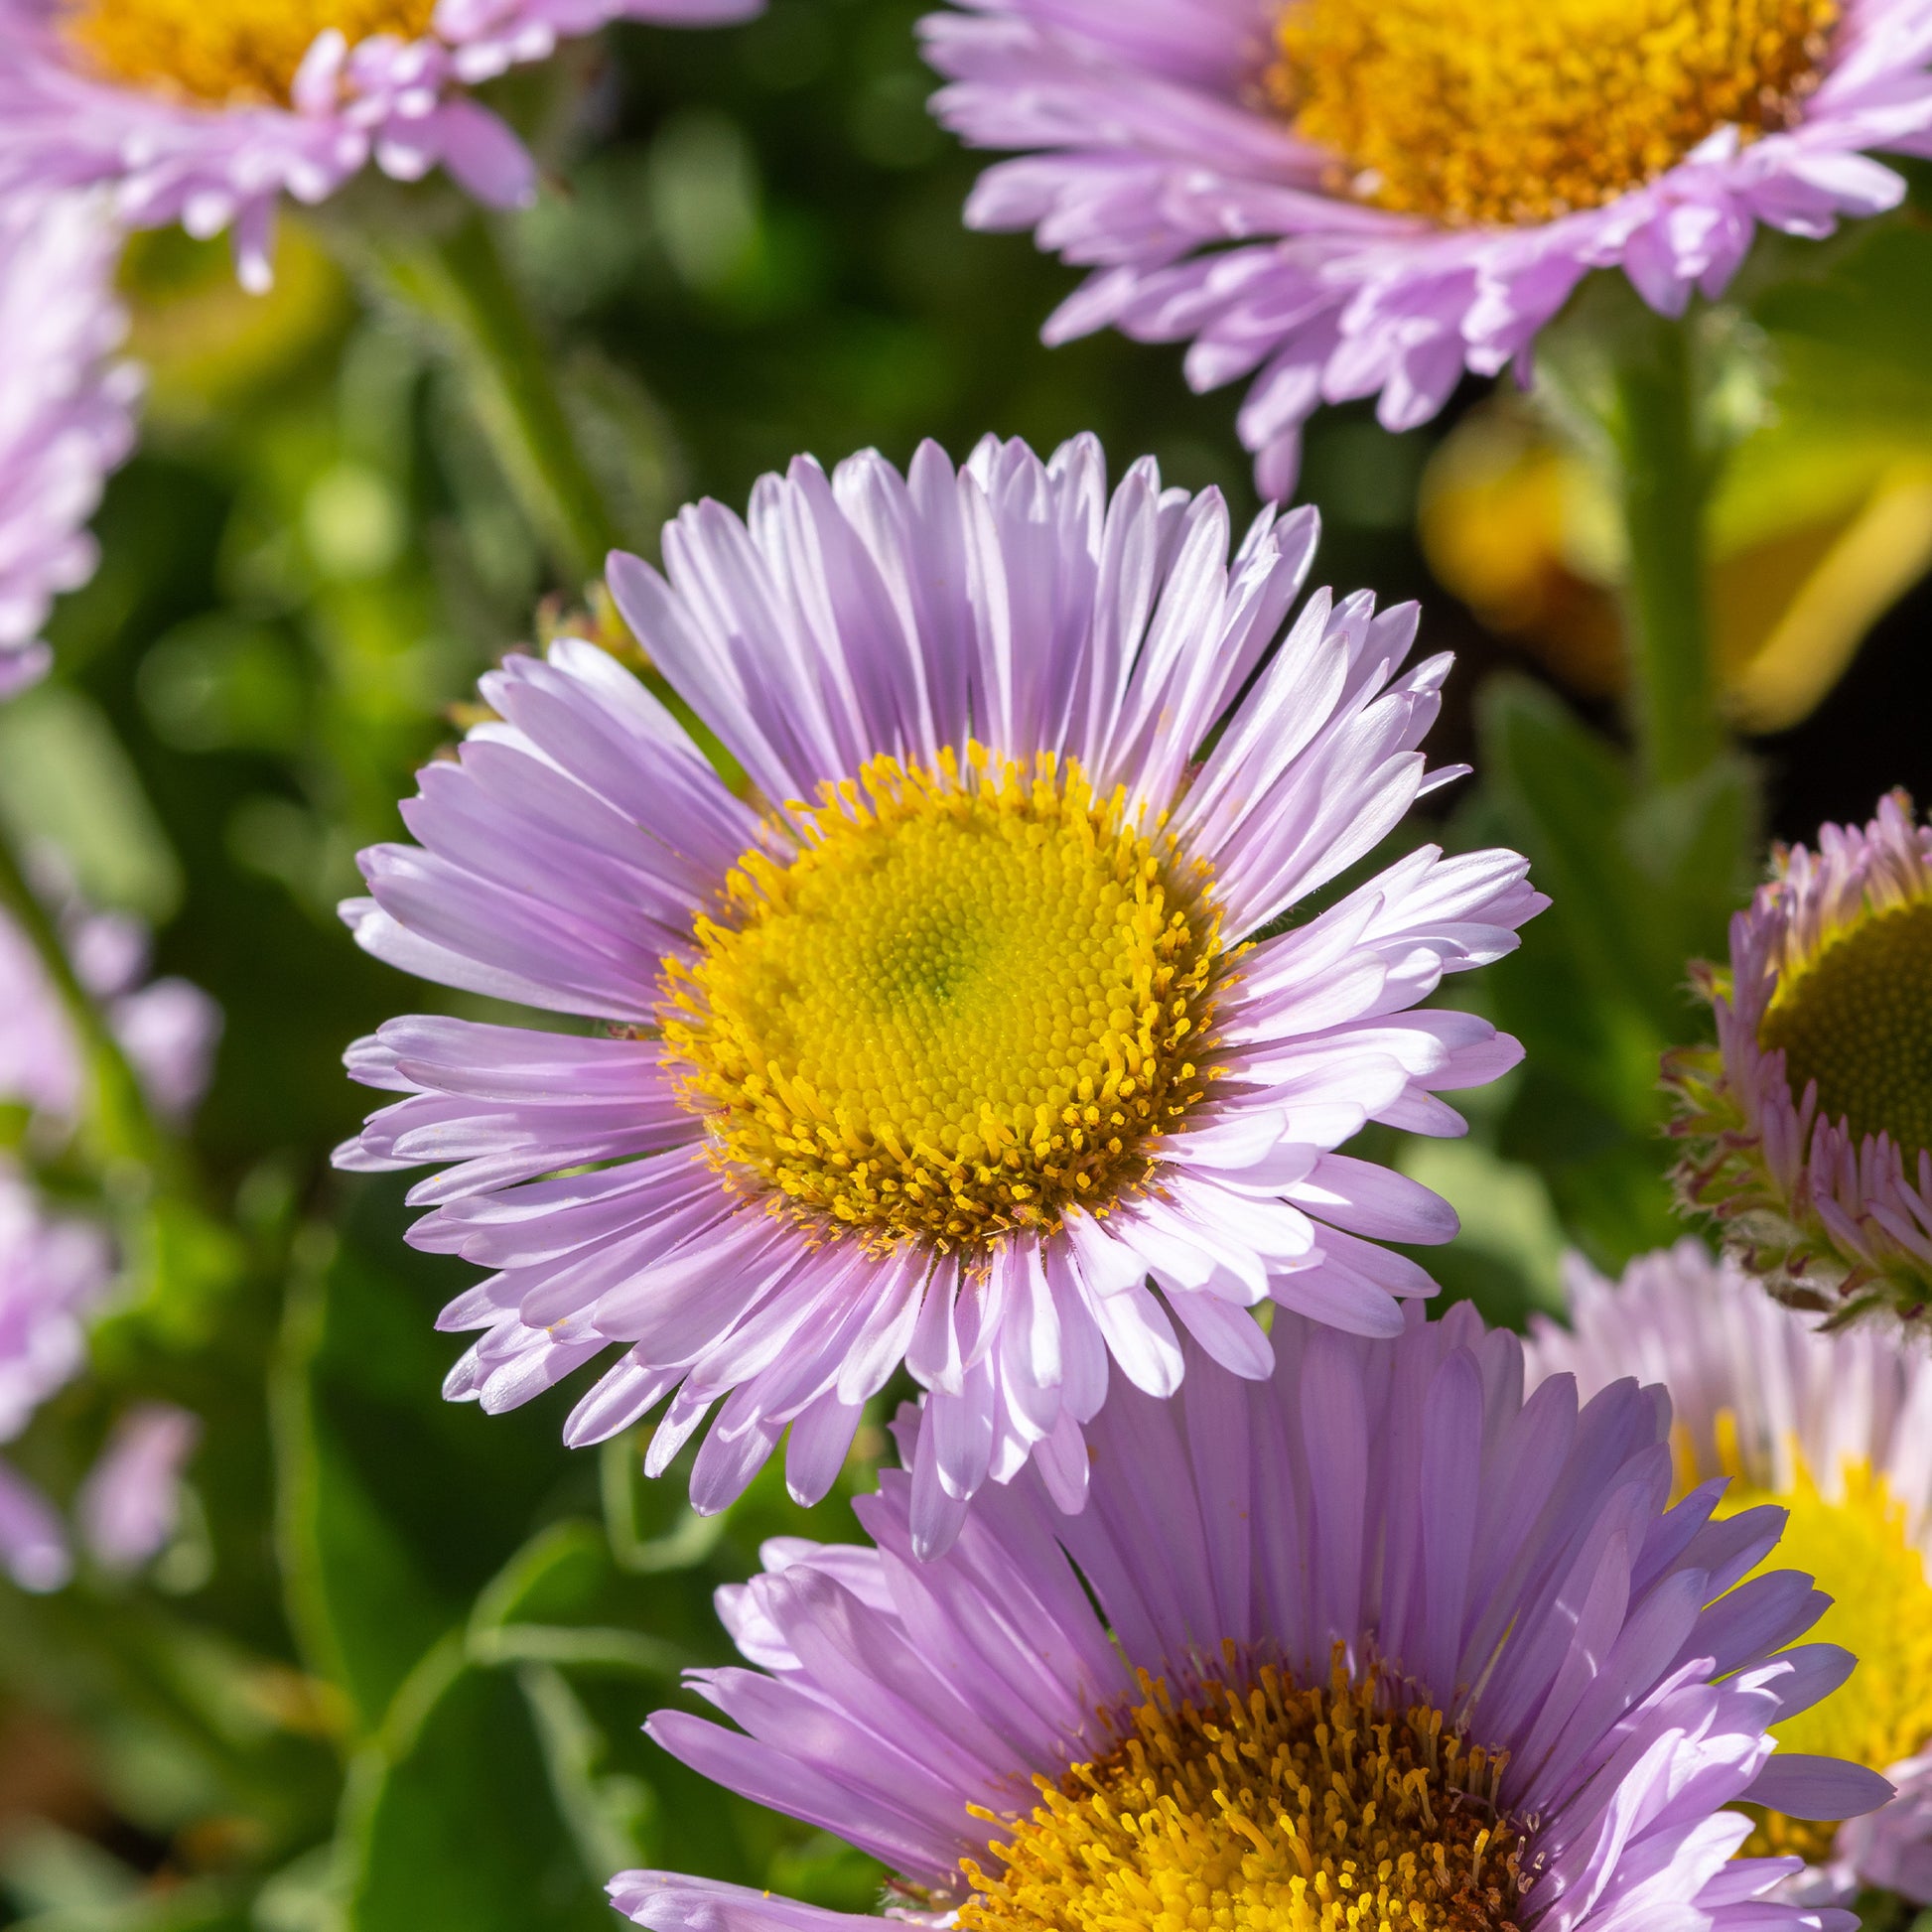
x: 1373, y: 1641
x: 974, y: 1015
x: 167, y: 1028
x: 1836, y: 1429
x: 206, y: 111
x: 58, y: 1267
x: 66, y: 407
x: 55, y: 1271
x: 1356, y: 198
x: 1808, y: 1127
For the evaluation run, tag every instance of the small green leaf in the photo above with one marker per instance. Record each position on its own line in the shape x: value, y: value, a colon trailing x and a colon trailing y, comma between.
x: 1642, y: 882
x: 362, y: 1606
x: 451, y: 1818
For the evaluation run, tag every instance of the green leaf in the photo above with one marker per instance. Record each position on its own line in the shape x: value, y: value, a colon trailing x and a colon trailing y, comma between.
x: 65, y: 779
x: 559, y: 1601
x: 451, y: 1817
x: 359, y: 1598
x: 396, y: 1507
x: 608, y: 1814
x: 1642, y: 882
x: 1848, y: 331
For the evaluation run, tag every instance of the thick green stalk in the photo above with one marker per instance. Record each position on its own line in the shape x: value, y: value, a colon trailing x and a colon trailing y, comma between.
x: 1665, y: 476
x: 123, y: 1126
x: 458, y: 282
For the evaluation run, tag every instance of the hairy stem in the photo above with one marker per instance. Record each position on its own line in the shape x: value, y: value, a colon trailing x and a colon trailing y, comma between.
x: 1665, y: 477
x: 458, y: 283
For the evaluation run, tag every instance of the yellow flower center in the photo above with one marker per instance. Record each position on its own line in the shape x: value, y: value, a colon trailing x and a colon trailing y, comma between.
x: 1268, y: 1809
x: 1853, y: 1542
x: 1857, y: 1019
x: 225, y: 53
x: 1503, y: 111
x: 970, y: 1001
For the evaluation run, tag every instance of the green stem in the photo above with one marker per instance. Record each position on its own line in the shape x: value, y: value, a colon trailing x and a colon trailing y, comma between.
x: 1665, y: 476
x: 458, y: 282
x: 124, y: 1126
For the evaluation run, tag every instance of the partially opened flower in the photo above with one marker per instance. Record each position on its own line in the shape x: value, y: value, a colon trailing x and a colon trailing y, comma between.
x: 968, y: 1019
x: 1360, y: 198
x: 67, y: 408
x: 1373, y: 1643
x: 1836, y: 1429
x: 53, y: 1271
x: 206, y: 111
x: 1808, y: 1127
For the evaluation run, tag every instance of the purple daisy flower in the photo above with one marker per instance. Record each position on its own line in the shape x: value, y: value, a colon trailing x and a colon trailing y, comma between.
x: 66, y: 409
x: 167, y: 1027
x: 1360, y: 198
x: 1808, y: 1127
x: 54, y: 1272
x: 1836, y: 1429
x: 1375, y: 1641
x: 206, y: 111
x: 944, y: 1064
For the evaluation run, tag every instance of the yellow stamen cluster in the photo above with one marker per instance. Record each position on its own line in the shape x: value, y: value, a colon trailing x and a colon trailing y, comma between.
x: 1507, y: 111
x: 1254, y: 1806
x: 225, y: 53
x: 1857, y: 1019
x: 969, y: 1001
x: 1853, y: 1540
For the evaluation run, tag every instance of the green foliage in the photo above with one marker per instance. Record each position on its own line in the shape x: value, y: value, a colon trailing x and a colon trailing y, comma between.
x: 1642, y: 881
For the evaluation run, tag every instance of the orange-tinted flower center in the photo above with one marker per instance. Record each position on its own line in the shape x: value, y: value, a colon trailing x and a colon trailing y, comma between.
x: 1511, y: 111
x: 225, y: 53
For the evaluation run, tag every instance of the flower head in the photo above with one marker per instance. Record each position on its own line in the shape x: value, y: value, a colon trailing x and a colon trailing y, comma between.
x: 206, y: 111
x: 1808, y: 1127
x: 53, y: 1271
x: 67, y: 408
x: 1372, y: 1642
x: 1836, y: 1429
x: 1362, y: 198
x: 972, y: 1012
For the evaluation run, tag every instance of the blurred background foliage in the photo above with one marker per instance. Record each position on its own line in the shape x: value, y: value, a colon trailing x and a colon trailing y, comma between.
x: 390, y: 1675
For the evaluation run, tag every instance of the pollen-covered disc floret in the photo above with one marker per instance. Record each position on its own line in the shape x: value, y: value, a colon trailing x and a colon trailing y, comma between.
x: 1335, y: 200
x: 1000, y: 1056
x: 1856, y: 1021
x: 1468, y: 112
x: 1252, y: 1803
x: 1851, y: 1535
x: 207, y: 112
x: 1808, y: 1127
x: 1836, y: 1431
x: 966, y: 1004
x: 1378, y: 1643
x: 225, y: 53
